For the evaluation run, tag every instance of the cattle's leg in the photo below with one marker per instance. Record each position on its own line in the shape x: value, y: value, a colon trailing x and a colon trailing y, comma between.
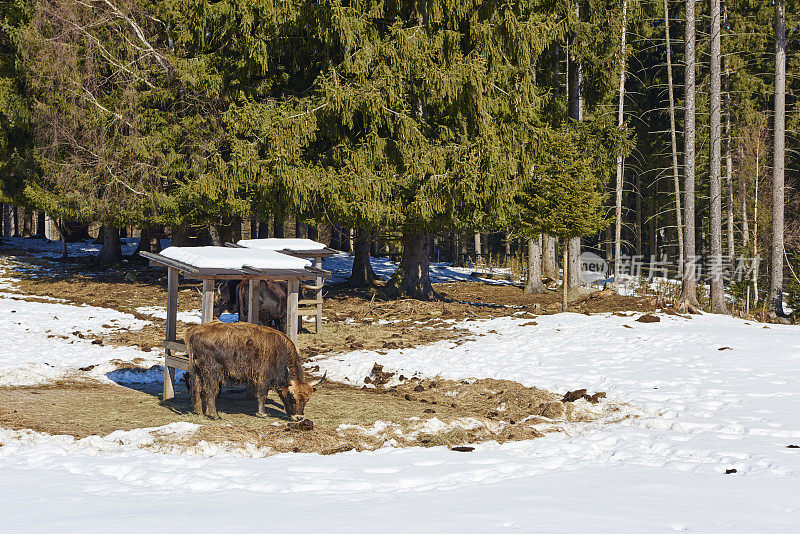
x: 196, y: 385
x: 261, y: 394
x: 210, y: 393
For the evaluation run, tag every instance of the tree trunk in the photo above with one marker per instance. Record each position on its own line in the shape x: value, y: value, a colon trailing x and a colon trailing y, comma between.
x: 217, y: 238
x: 336, y: 238
x: 6, y: 230
x: 149, y: 241
x: 478, y: 251
x: 565, y: 262
x: 715, y: 165
x: 535, y: 284
x: 729, y: 166
x: 27, y: 223
x: 674, y: 140
x: 574, y: 278
x: 180, y: 237
x: 507, y: 242
x: 362, y: 274
x: 299, y: 228
x: 263, y: 230
x: 312, y: 231
x: 253, y: 229
x: 454, y: 248
x: 575, y: 76
x: 745, y: 219
x: 549, y: 257
x: 63, y: 235
x: 688, y: 297
x: 15, y: 217
x: 619, y: 183
x: 111, y: 252
x: 779, y: 154
x: 638, y: 205
x: 41, y: 224
x: 412, y: 278
x: 277, y: 226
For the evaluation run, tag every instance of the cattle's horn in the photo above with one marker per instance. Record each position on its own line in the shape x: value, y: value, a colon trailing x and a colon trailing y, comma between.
x: 317, y: 381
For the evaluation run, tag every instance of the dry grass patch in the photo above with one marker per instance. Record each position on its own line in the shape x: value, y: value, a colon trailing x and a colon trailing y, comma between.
x: 416, y: 413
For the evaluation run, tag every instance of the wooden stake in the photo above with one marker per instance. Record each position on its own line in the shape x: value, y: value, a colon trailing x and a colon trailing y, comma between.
x: 208, y: 300
x: 292, y: 298
x: 320, y: 282
x: 172, y: 318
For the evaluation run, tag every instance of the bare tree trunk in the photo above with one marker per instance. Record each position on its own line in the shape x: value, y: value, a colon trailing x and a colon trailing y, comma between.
x: 688, y: 297
x: 620, y: 177
x: 27, y: 223
x: 575, y: 113
x: 263, y: 230
x: 217, y: 238
x: 549, y: 257
x: 565, y: 261
x: 412, y: 277
x: 6, y: 220
x: 729, y: 170
x: 638, y: 204
x: 149, y: 241
x: 362, y: 274
x: 111, y: 252
x: 574, y: 278
x: 534, y: 284
x: 15, y: 219
x: 715, y: 165
x: 673, y: 139
x: 507, y: 243
x: 776, y: 265
x: 478, y: 251
x: 299, y: 228
x: 728, y: 150
x: 278, y: 226
x: 40, y: 224
x: 312, y: 232
x: 743, y: 204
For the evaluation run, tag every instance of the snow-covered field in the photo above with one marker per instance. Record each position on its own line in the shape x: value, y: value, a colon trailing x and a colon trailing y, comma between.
x: 701, y: 411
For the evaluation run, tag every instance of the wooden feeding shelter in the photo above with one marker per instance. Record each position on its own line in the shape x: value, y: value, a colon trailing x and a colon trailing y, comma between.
x: 299, y: 248
x: 223, y: 263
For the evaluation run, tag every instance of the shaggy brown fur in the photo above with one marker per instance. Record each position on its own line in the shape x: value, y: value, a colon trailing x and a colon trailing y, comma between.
x: 246, y: 353
x: 271, y: 297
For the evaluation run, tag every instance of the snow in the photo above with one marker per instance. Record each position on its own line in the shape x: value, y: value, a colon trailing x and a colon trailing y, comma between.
x: 160, y: 312
x: 696, y: 411
x: 45, y: 248
x: 233, y: 258
x: 42, y: 341
x: 282, y: 244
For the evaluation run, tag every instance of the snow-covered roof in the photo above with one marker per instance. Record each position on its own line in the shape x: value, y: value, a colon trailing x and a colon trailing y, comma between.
x: 234, y: 258
x: 282, y: 244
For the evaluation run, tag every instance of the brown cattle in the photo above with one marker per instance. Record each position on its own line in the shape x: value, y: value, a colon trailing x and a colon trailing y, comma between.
x: 271, y: 297
x: 245, y: 353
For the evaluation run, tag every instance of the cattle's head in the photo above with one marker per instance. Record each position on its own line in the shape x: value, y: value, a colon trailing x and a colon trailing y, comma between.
x: 296, y: 395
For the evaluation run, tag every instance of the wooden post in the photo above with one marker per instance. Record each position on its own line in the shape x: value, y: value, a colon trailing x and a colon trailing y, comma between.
x: 253, y: 306
x: 172, y: 318
x: 208, y: 300
x: 320, y: 281
x: 292, y: 297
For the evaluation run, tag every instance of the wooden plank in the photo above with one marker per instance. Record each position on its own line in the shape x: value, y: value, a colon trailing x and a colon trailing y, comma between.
x: 291, y: 309
x: 177, y: 362
x: 253, y: 306
x: 309, y: 302
x: 320, y: 282
x: 174, y: 346
x: 208, y: 301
